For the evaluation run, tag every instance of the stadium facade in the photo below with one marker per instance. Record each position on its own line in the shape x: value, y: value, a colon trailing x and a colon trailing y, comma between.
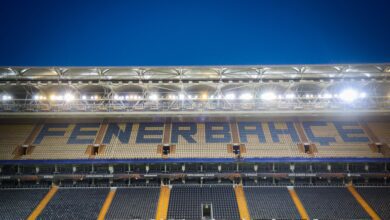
x: 242, y: 142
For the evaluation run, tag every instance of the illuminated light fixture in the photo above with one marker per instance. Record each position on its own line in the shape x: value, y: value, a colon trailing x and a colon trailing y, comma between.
x: 172, y: 97
x: 327, y: 96
x: 204, y: 96
x: 362, y: 95
x: 6, y: 97
x: 39, y: 97
x: 290, y: 96
x: 246, y: 96
x: 54, y: 97
x: 68, y: 97
x: 349, y: 95
x: 230, y: 96
x: 181, y: 96
x: 268, y: 96
x: 153, y: 97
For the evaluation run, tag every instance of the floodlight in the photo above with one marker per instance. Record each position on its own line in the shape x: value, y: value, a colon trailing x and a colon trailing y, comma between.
x: 153, y: 97
x: 290, y: 96
x: 246, y: 96
x: 268, y: 96
x: 327, y: 96
x: 68, y: 97
x: 349, y: 95
x: 230, y: 96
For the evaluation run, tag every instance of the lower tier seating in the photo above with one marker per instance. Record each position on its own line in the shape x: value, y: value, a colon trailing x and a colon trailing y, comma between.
x: 134, y: 203
x: 19, y: 203
x: 186, y: 202
x: 270, y: 203
x: 330, y: 203
x: 80, y: 203
x: 378, y: 198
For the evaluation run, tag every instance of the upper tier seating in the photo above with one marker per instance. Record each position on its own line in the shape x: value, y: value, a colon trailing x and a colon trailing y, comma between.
x: 19, y: 203
x: 201, y: 148
x: 140, y: 140
x: 186, y: 200
x: 63, y: 144
x: 339, y: 139
x: 78, y: 203
x: 11, y: 136
x: 270, y: 203
x: 134, y: 203
x: 378, y: 198
x: 330, y: 203
x: 381, y: 130
x: 275, y: 139
x: 127, y: 143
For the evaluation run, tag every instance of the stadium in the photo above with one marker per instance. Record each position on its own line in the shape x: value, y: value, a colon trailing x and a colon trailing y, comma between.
x: 195, y: 142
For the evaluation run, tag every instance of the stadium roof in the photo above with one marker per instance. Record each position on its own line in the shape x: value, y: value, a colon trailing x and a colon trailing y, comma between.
x: 195, y: 72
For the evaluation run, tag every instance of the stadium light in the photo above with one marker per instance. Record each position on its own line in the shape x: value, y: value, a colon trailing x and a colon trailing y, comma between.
x: 181, y: 96
x: 290, y: 96
x: 268, y: 96
x: 349, y: 95
x: 246, y: 96
x: 230, y: 96
x: 84, y: 97
x: 68, y: 97
x: 327, y: 96
x: 6, y: 97
x: 153, y: 97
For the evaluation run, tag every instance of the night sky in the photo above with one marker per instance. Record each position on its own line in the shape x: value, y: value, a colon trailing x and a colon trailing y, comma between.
x: 137, y: 32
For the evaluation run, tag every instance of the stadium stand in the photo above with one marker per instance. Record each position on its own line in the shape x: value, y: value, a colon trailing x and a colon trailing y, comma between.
x: 133, y: 140
x: 201, y: 144
x: 63, y: 141
x: 378, y: 198
x: 19, y: 203
x: 134, y: 203
x: 330, y: 203
x: 339, y: 139
x: 140, y: 140
x: 270, y: 203
x: 75, y: 203
x: 269, y: 139
x: 10, y: 137
x: 186, y: 202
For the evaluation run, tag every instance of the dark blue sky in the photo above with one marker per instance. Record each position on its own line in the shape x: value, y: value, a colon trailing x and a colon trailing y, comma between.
x: 137, y: 32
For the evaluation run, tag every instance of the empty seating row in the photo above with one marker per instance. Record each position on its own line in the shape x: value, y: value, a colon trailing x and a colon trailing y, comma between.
x: 134, y: 203
x: 186, y: 202
x: 19, y: 203
x: 193, y: 140
x: 270, y: 203
x: 80, y: 203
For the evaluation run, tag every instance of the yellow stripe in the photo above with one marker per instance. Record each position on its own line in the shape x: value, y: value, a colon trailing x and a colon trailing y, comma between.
x: 363, y: 203
x: 38, y: 210
x: 241, y: 202
x: 298, y: 204
x: 106, y: 204
x: 163, y: 202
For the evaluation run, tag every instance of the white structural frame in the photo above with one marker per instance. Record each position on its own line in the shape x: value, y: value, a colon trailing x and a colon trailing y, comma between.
x: 194, y: 90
